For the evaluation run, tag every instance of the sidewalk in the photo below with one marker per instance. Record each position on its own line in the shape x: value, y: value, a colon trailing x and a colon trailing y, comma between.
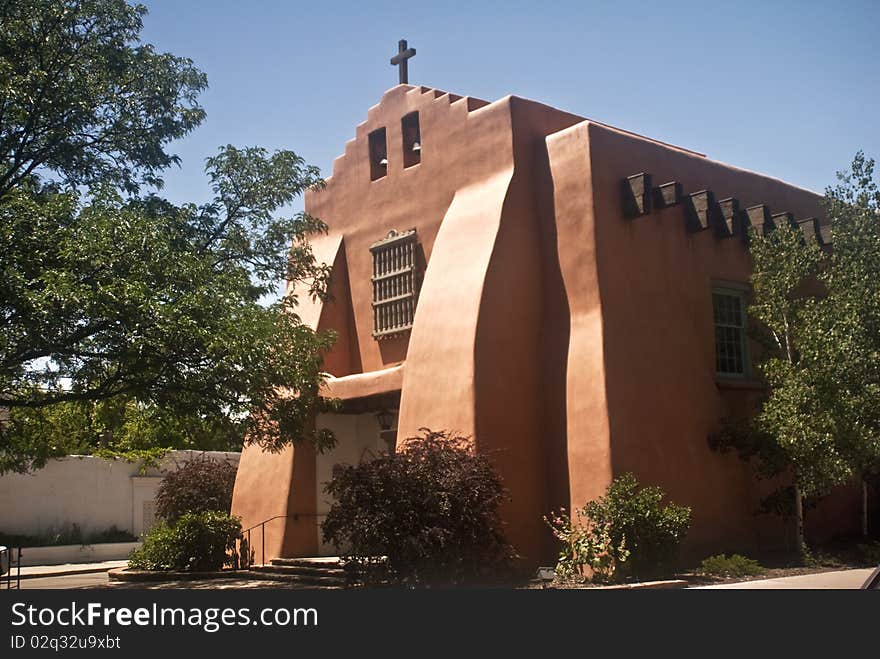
x: 38, y: 571
x: 841, y: 579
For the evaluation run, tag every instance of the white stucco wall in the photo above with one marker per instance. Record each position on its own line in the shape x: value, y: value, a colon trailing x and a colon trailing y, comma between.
x: 357, y: 438
x: 91, y: 492
x: 61, y: 554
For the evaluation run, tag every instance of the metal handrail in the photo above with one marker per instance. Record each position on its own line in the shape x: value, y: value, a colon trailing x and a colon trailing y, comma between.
x: 262, y: 526
x: 8, y: 552
x: 265, y: 521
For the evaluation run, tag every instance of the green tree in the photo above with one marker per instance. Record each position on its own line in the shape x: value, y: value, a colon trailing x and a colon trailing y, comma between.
x: 846, y: 334
x: 82, y: 98
x: 793, y: 417
x: 818, y: 318
x: 119, y: 425
x: 114, y: 300
x: 141, y: 299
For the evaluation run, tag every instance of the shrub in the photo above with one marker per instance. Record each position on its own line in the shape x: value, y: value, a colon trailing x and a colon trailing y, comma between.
x: 113, y: 534
x: 67, y: 534
x: 200, y: 484
x: 626, y: 532
x: 585, y: 546
x: 734, y: 565
x: 196, y: 542
x: 431, y: 510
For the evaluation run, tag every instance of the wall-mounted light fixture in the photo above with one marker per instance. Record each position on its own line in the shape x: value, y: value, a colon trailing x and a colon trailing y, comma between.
x: 385, y: 418
x: 386, y: 433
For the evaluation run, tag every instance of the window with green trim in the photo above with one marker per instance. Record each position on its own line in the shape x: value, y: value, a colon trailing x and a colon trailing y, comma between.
x: 731, y: 354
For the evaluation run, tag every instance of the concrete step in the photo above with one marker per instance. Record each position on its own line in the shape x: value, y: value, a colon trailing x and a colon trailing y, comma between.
x: 281, y: 573
x: 335, y: 573
x: 319, y: 571
x: 329, y: 563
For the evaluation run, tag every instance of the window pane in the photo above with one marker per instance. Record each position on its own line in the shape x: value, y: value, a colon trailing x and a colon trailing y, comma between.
x: 727, y: 308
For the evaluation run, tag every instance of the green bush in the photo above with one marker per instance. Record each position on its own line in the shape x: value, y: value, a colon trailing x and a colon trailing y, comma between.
x: 196, y: 542
x: 585, y: 545
x: 628, y: 532
x: 431, y: 510
x: 734, y: 565
x: 199, y: 484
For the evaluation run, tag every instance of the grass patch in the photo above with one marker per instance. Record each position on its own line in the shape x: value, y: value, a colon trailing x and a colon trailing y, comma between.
x: 70, y: 534
x: 735, y: 565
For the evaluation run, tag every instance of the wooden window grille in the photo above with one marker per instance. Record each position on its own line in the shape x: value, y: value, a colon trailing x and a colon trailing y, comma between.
x: 395, y: 283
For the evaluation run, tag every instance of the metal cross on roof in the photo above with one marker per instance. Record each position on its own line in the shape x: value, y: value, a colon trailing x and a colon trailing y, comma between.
x: 399, y: 60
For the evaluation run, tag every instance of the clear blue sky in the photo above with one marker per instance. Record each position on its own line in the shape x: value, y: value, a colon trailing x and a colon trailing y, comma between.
x: 790, y: 89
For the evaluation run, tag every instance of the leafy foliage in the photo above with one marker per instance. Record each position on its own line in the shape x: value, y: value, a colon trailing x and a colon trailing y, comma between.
x: 637, y: 516
x: 122, y: 425
x: 198, y: 485
x: 431, y: 509
x: 143, y: 320
x: 146, y: 459
x: 846, y: 336
x: 113, y: 428
x: 82, y: 98
x: 197, y: 542
x: 626, y: 532
x: 130, y: 303
x: 820, y: 315
x: 587, y: 549
x: 793, y: 416
x: 144, y: 300
x: 735, y: 565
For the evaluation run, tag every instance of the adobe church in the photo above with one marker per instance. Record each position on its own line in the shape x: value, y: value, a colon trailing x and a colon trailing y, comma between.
x: 569, y: 294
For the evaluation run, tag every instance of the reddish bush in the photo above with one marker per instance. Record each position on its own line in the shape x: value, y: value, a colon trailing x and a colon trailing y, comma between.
x: 431, y: 510
x: 199, y: 485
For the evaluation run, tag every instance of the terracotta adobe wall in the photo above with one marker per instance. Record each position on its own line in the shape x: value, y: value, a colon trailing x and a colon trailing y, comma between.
x: 575, y: 412
x: 461, y: 144
x: 510, y: 353
x: 571, y: 343
x: 655, y: 281
x: 468, y: 155
x: 473, y: 359
x: 474, y: 363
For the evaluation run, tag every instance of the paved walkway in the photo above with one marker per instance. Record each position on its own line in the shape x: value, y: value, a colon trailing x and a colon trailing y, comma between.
x: 841, y: 579
x: 94, y: 575
x: 92, y: 580
x: 42, y: 571
x: 75, y: 580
